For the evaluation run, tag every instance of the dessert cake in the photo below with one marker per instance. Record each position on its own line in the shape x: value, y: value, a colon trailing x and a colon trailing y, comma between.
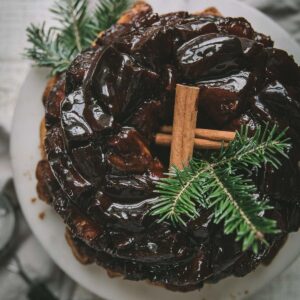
x: 100, y: 162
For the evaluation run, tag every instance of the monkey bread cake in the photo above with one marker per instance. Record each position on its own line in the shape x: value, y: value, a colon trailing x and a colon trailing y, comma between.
x: 100, y: 162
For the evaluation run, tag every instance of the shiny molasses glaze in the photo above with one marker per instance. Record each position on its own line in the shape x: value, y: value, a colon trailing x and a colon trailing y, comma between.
x: 102, y: 163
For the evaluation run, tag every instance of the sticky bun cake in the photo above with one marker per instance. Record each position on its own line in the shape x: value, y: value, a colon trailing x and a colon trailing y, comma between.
x: 100, y: 162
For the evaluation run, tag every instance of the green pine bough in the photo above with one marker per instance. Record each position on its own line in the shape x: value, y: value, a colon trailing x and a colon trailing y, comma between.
x: 56, y: 47
x: 218, y: 184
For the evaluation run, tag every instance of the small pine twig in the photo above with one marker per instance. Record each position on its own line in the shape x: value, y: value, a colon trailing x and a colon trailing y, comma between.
x: 73, y: 17
x: 108, y: 12
x: 56, y: 47
x: 217, y: 184
x: 47, y: 50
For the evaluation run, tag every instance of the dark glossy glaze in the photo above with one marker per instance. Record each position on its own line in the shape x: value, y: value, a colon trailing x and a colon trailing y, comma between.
x: 102, y: 163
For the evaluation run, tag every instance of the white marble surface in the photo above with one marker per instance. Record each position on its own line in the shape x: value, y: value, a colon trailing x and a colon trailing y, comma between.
x: 15, y: 15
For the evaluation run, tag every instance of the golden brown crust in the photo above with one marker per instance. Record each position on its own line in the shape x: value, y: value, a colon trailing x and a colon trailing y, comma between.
x: 113, y: 274
x: 43, y: 132
x: 139, y: 7
x: 41, y: 173
x: 81, y: 257
x: 50, y: 84
x: 213, y: 11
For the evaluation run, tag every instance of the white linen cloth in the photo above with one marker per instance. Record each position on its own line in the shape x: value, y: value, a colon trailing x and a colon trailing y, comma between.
x: 15, y: 15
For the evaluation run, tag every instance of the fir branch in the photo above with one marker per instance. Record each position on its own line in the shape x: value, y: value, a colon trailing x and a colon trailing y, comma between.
x: 234, y: 203
x: 73, y: 18
x: 108, y: 12
x: 217, y: 183
x: 56, y: 47
x: 47, y: 50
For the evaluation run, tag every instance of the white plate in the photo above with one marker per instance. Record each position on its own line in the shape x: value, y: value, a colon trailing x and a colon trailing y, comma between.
x: 50, y: 231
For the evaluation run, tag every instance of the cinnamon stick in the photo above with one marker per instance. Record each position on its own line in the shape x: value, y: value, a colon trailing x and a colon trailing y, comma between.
x: 184, y: 124
x: 208, y: 134
x: 164, y: 139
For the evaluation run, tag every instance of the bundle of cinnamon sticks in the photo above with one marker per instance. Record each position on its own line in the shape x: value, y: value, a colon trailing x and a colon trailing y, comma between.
x: 184, y: 136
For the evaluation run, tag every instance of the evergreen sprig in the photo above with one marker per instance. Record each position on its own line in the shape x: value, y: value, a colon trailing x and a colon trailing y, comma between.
x: 218, y: 183
x: 74, y: 21
x: 56, y: 47
x: 108, y: 12
x: 47, y: 49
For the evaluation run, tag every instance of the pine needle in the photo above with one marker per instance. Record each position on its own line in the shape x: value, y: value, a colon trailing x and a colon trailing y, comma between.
x: 108, y: 12
x: 47, y: 50
x: 74, y: 19
x: 218, y: 184
x: 56, y: 47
